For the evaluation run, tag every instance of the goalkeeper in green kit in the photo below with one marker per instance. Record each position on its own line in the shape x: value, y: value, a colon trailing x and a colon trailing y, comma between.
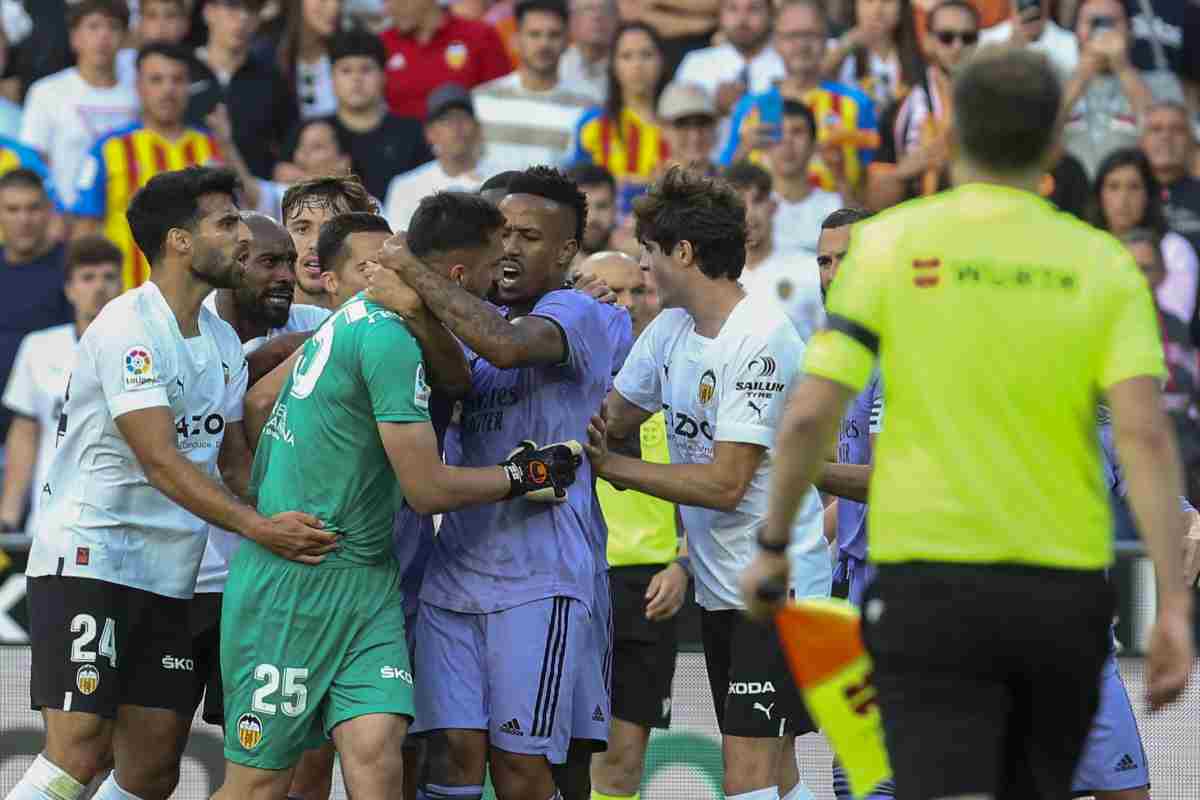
x: 318, y: 649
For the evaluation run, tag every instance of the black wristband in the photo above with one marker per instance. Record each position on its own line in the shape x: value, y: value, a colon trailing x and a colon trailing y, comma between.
x: 778, y: 548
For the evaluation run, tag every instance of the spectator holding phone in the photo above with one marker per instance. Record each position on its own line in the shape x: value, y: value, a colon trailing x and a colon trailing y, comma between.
x: 1107, y: 98
x: 1031, y: 26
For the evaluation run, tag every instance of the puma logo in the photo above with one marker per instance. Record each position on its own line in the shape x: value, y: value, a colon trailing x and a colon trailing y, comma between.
x: 765, y: 709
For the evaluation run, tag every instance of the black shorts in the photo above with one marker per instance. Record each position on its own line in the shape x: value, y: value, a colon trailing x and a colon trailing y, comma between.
x: 987, y: 676
x: 643, y: 651
x: 753, y: 691
x: 98, y: 645
x: 204, y: 619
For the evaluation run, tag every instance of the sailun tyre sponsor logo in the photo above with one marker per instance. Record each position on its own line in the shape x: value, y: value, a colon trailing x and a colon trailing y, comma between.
x: 249, y: 731
x: 87, y: 679
x: 763, y: 366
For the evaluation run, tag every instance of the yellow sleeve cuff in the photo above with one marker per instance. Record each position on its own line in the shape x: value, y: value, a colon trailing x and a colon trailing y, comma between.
x: 837, y: 357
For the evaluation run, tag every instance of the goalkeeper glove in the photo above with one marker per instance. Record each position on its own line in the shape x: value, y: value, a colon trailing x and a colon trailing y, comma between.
x: 542, y: 473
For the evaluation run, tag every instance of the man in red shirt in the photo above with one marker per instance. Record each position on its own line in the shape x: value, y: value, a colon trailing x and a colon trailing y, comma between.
x: 428, y: 46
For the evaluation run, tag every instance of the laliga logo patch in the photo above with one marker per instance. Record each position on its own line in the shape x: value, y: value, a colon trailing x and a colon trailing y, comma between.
x: 249, y: 731
x: 87, y: 679
x: 456, y: 55
x: 139, y: 367
x: 708, y: 387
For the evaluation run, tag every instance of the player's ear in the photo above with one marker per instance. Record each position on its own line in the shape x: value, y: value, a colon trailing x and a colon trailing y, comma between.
x: 458, y: 274
x: 684, y: 253
x: 568, y: 253
x: 179, y: 239
x: 329, y: 281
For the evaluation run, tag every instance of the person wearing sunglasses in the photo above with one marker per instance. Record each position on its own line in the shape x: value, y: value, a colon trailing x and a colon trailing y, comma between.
x: 913, y: 154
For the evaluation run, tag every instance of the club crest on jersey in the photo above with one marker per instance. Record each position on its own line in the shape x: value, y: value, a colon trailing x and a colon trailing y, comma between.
x: 249, y: 731
x: 456, y: 55
x: 784, y: 289
x: 421, y: 388
x: 139, y: 367
x: 87, y: 679
x: 708, y: 387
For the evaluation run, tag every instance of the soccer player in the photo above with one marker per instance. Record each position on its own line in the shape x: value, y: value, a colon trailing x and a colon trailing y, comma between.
x: 647, y: 581
x: 503, y: 576
x: 998, y: 322
x: 306, y: 207
x: 718, y: 365
x: 38, y: 380
x: 321, y: 650
x: 152, y: 408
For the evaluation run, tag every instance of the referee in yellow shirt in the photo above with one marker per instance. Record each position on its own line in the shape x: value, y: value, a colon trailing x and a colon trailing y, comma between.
x: 998, y: 324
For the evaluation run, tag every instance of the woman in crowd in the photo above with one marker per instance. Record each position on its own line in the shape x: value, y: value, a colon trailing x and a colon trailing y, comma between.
x: 300, y: 50
x: 880, y: 53
x: 623, y: 136
x: 1125, y: 195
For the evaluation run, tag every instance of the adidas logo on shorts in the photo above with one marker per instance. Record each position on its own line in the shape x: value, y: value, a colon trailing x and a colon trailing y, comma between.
x: 1125, y: 764
x: 512, y: 727
x: 598, y: 715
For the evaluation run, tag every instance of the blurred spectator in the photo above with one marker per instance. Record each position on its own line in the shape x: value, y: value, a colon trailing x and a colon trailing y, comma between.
x: 259, y: 101
x: 800, y: 207
x: 1068, y: 188
x: 991, y: 12
x: 37, y: 384
x: 1166, y: 36
x: 682, y: 25
x: 300, y: 51
x: 502, y: 19
x: 429, y: 47
x: 32, y: 265
x: 1126, y: 195
x: 1107, y: 98
x: 454, y: 134
x: 879, y: 54
x: 369, y: 14
x: 10, y: 111
x: 157, y: 21
x: 846, y: 128
x: 380, y: 144
x: 14, y: 155
x: 789, y: 278
x: 600, y: 189
x: 743, y: 62
x: 915, y: 135
x: 1033, y: 28
x: 1168, y: 142
x: 123, y: 160
x: 67, y: 112
x: 584, y: 67
x: 623, y: 136
x: 528, y: 117
x: 688, y: 114
x: 41, y: 46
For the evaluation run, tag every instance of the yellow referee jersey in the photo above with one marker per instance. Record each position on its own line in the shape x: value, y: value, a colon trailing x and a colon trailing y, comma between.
x: 641, y: 528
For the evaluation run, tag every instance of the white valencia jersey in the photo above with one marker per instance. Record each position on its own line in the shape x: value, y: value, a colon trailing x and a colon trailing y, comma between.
x: 729, y: 389
x: 102, y: 519
x: 214, y: 567
x: 36, y: 387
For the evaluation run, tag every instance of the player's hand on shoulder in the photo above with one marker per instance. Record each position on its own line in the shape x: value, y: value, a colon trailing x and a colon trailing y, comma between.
x: 665, y: 594
x: 388, y: 289
x: 396, y: 255
x: 594, y: 287
x: 543, y: 474
x: 296, y: 536
x: 764, y: 584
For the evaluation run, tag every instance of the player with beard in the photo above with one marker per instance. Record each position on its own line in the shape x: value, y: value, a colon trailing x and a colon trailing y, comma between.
x: 306, y: 207
x: 503, y: 575
x: 153, y: 409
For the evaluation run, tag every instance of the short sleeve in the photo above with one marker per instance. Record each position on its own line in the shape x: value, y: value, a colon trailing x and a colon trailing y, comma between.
x: 235, y: 390
x: 846, y: 349
x: 576, y: 315
x: 1133, y: 347
x: 20, y: 395
x: 393, y: 370
x: 37, y: 121
x: 755, y: 386
x: 639, y: 380
x: 90, y: 200
x: 620, y: 331
x: 131, y: 366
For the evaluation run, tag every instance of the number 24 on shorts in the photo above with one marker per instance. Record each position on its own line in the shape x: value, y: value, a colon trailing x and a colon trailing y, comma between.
x: 294, y: 693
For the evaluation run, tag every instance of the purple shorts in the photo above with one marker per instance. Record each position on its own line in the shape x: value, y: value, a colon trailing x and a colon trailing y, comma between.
x: 593, y: 686
x: 1113, y: 757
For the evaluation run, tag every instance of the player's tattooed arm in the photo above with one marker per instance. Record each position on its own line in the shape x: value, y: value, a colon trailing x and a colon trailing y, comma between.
x: 524, y: 342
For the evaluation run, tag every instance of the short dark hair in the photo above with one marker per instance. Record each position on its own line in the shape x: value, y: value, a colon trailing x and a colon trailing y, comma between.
x: 87, y: 251
x: 552, y: 184
x: 592, y: 175
x: 22, y: 178
x: 330, y: 191
x: 745, y: 175
x: 524, y: 7
x: 1006, y: 108
x: 332, y: 239
x: 450, y: 221
x: 843, y: 217
x: 687, y: 206
x: 500, y: 181
x: 340, y: 135
x: 357, y: 42
x: 113, y: 9
x: 175, y: 52
x: 945, y: 5
x: 795, y: 108
x: 172, y: 200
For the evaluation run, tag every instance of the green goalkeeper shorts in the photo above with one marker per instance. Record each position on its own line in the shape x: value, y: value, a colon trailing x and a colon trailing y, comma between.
x: 304, y: 648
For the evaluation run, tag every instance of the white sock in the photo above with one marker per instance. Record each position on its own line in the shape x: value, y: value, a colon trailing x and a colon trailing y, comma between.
x: 769, y: 793
x: 799, y: 792
x: 44, y: 781
x: 111, y: 790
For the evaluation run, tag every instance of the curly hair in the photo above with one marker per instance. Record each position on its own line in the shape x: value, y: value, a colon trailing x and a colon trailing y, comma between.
x: 688, y: 207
